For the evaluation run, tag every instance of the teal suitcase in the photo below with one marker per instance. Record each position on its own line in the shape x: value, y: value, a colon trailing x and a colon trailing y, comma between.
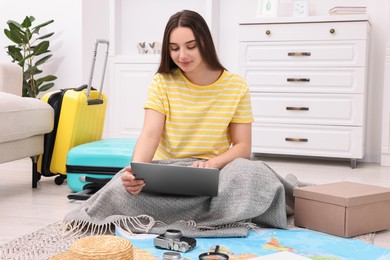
x: 89, y: 166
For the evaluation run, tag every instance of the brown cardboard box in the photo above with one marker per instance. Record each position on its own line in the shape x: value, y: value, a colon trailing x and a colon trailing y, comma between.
x: 344, y: 208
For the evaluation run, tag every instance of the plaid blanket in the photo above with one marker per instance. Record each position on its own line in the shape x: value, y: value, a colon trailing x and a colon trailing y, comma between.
x: 251, y: 194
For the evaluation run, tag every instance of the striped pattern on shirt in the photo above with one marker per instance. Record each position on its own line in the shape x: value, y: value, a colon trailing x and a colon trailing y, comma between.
x: 197, y: 117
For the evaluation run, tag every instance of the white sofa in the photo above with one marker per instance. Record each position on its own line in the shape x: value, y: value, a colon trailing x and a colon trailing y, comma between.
x: 23, y: 121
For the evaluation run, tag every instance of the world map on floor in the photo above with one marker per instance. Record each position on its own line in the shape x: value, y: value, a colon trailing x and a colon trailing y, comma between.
x: 307, y: 243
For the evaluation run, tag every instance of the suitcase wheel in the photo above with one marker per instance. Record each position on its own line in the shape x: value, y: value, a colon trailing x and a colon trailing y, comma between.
x: 59, y: 179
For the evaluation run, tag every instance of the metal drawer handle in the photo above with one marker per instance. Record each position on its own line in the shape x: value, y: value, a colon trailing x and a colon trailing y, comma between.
x: 300, y: 140
x: 298, y: 80
x: 298, y: 108
x: 332, y: 31
x: 268, y: 32
x: 299, y: 54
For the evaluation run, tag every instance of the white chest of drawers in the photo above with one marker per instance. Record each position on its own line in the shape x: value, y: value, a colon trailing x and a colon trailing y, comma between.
x: 308, y: 81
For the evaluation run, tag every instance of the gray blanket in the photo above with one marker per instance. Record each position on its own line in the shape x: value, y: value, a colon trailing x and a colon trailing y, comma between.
x: 250, y: 194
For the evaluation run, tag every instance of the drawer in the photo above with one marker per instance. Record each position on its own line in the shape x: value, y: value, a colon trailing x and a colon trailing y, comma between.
x: 325, y: 141
x: 304, y: 31
x: 313, y: 109
x: 318, y: 53
x: 305, y: 79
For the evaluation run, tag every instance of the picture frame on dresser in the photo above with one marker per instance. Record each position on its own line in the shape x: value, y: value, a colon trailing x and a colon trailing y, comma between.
x: 267, y: 8
x: 300, y: 8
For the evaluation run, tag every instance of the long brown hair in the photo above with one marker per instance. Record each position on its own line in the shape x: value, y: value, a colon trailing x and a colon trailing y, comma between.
x: 203, y: 38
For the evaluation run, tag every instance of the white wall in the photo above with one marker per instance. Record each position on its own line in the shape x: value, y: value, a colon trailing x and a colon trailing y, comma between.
x: 233, y: 11
x: 78, y: 23
x: 95, y: 25
x: 66, y: 44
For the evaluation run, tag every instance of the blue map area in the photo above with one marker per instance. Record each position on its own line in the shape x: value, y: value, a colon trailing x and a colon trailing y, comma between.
x: 303, y: 242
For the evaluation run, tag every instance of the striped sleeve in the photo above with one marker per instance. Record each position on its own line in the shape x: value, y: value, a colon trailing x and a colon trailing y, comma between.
x: 243, y: 113
x: 156, y: 96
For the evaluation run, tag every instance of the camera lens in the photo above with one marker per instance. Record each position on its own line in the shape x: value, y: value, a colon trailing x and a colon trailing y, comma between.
x: 172, y: 234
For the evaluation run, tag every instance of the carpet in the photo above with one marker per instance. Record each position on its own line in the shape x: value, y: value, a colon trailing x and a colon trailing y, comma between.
x: 48, y: 241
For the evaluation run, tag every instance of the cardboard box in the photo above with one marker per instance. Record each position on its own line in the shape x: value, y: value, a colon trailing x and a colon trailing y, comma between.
x: 344, y: 209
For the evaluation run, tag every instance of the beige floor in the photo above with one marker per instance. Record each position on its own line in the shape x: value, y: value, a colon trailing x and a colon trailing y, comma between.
x: 24, y: 210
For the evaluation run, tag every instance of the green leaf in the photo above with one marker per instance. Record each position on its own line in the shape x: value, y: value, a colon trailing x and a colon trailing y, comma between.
x: 46, y: 87
x: 28, y: 35
x: 45, y: 79
x: 36, y: 28
x: 26, y: 75
x: 45, y: 36
x: 43, y: 53
x: 15, y: 53
x: 14, y: 36
x: 8, y: 34
x: 16, y: 24
x: 13, y: 26
x: 32, y: 70
x: 26, y: 22
x: 14, y: 48
x: 41, y: 48
x: 21, y: 63
x: 43, y: 60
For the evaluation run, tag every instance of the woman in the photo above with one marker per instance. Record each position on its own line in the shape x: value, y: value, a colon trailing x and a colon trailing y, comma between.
x: 195, y: 108
x: 196, y: 114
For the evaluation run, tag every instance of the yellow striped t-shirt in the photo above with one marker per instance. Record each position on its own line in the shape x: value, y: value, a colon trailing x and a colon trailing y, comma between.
x: 197, y: 117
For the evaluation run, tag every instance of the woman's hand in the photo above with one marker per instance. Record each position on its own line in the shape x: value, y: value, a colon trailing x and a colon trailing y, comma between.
x: 204, y: 164
x: 130, y: 183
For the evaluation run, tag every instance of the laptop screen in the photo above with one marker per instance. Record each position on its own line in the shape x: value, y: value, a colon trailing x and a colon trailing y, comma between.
x: 174, y: 179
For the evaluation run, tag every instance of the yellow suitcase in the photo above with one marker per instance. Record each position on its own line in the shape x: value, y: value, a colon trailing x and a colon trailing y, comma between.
x: 79, y: 118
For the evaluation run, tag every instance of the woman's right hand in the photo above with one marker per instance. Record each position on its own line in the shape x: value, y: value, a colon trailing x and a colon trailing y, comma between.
x: 132, y: 185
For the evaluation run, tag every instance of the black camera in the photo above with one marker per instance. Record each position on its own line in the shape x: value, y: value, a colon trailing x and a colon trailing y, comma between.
x: 172, y: 239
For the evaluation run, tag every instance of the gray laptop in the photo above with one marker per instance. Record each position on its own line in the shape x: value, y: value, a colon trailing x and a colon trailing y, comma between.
x: 180, y: 180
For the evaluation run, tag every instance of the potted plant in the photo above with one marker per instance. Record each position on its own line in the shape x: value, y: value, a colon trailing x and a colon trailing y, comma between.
x: 30, y: 51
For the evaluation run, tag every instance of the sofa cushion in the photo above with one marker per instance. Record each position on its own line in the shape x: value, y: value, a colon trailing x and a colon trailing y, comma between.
x: 11, y: 78
x: 23, y: 117
x: 22, y: 148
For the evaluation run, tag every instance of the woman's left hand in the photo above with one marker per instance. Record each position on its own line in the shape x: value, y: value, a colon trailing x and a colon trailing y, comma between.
x: 204, y: 164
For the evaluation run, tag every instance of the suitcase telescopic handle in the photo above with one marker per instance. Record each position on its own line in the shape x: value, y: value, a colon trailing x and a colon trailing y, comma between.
x: 99, y: 100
